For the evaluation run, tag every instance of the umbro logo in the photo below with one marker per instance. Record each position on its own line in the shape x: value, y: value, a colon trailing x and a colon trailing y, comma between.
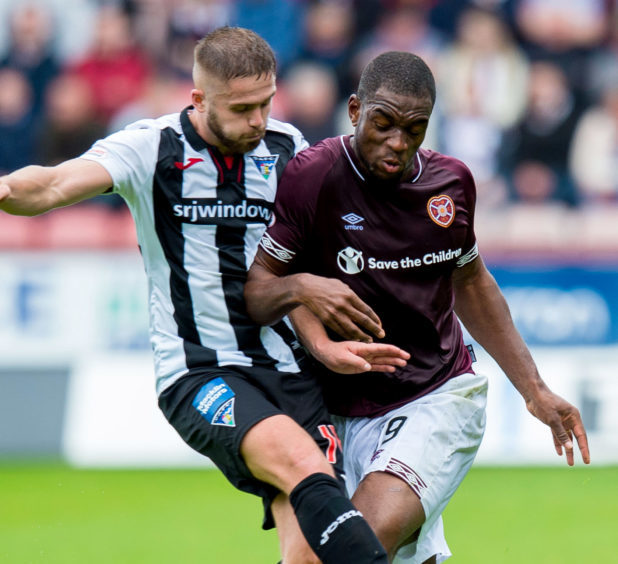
x: 352, y: 219
x: 190, y: 162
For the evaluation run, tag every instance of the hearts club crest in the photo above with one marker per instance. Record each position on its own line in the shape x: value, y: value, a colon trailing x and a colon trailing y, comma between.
x: 441, y: 210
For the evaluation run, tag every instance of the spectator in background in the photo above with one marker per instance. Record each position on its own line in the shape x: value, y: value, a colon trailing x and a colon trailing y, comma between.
x: 280, y: 22
x: 602, y: 67
x: 365, y: 14
x: 445, y: 14
x: 329, y: 39
x: 402, y: 28
x: 115, y: 68
x: 535, y: 153
x: 30, y: 49
x: 562, y: 32
x: 162, y: 95
x: 483, y: 71
x: 594, y: 155
x: 69, y: 128
x: 482, y: 76
x: 310, y: 100
x: 187, y: 21
x: 70, y: 125
x: 16, y: 120
x: 72, y: 24
x: 150, y: 21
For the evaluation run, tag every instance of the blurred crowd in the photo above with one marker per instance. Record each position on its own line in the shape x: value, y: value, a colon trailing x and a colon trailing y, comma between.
x: 527, y: 89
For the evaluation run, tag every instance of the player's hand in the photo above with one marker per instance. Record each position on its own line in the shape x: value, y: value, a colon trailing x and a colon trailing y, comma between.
x: 352, y: 357
x: 565, y: 422
x: 339, y: 308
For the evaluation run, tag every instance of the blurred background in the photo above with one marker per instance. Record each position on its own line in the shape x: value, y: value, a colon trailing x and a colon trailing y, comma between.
x: 527, y: 98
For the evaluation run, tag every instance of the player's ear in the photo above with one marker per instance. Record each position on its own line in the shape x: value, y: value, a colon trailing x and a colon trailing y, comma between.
x: 197, y: 99
x: 354, y: 105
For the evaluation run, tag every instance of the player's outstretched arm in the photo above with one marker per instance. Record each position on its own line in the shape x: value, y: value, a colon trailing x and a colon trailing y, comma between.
x: 344, y: 357
x: 480, y: 305
x: 270, y: 295
x: 33, y: 190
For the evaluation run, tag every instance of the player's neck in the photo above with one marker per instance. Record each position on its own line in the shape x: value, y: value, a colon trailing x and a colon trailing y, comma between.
x: 204, y: 132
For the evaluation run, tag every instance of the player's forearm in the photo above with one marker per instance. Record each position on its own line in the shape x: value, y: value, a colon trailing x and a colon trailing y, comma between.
x: 485, y: 314
x: 268, y: 296
x: 36, y: 189
x: 28, y: 191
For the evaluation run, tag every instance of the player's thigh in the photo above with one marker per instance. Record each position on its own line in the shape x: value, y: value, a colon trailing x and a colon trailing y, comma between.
x: 212, y: 412
x: 299, y: 396
x: 292, y: 543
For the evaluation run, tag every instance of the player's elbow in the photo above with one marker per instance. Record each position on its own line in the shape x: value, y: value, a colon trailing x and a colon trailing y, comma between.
x: 257, y: 304
x: 252, y: 304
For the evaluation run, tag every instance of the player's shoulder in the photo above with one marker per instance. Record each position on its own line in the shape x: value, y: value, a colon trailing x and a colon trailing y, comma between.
x: 283, y: 127
x: 435, y: 159
x: 305, y: 175
x: 321, y: 156
x: 155, y: 125
x: 143, y: 134
x: 285, y: 134
x: 139, y: 138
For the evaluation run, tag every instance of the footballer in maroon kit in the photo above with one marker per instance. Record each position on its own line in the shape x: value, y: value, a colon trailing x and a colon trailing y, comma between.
x: 375, y: 237
x: 395, y: 248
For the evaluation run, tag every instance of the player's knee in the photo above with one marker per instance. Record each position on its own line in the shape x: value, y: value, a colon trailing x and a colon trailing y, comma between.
x: 388, y: 539
x: 392, y: 536
x: 303, y: 462
x: 281, y: 453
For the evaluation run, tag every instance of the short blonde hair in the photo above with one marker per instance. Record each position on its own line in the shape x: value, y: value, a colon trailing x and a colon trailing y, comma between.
x: 233, y: 52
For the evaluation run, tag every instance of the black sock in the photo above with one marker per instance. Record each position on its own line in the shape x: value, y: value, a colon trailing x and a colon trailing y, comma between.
x: 333, y: 527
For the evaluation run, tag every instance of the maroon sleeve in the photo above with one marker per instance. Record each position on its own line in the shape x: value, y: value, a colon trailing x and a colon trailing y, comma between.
x: 295, y: 204
x: 466, y: 200
x: 469, y: 193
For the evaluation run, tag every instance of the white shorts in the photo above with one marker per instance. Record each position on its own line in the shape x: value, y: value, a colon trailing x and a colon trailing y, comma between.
x: 429, y: 443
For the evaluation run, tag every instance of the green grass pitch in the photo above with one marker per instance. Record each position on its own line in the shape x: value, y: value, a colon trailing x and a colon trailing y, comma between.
x: 51, y: 514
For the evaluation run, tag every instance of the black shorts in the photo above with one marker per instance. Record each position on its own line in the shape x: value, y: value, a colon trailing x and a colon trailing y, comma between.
x: 212, y: 411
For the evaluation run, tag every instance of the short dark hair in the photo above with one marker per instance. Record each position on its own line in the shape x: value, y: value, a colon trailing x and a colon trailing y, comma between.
x: 401, y: 73
x: 234, y: 52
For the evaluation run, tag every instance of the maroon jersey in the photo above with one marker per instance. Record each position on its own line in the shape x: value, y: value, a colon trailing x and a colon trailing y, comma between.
x: 396, y: 247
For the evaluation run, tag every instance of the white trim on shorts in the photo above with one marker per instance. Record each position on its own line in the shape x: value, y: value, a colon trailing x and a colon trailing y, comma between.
x: 430, y: 443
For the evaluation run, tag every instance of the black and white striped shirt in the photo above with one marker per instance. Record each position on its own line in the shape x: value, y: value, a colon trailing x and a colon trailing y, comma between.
x: 198, y: 225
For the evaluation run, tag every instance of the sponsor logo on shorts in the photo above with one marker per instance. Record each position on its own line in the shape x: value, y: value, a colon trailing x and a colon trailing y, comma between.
x: 441, y: 210
x: 408, y: 475
x: 352, y: 219
x: 338, y: 521
x: 265, y: 164
x: 215, y: 402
